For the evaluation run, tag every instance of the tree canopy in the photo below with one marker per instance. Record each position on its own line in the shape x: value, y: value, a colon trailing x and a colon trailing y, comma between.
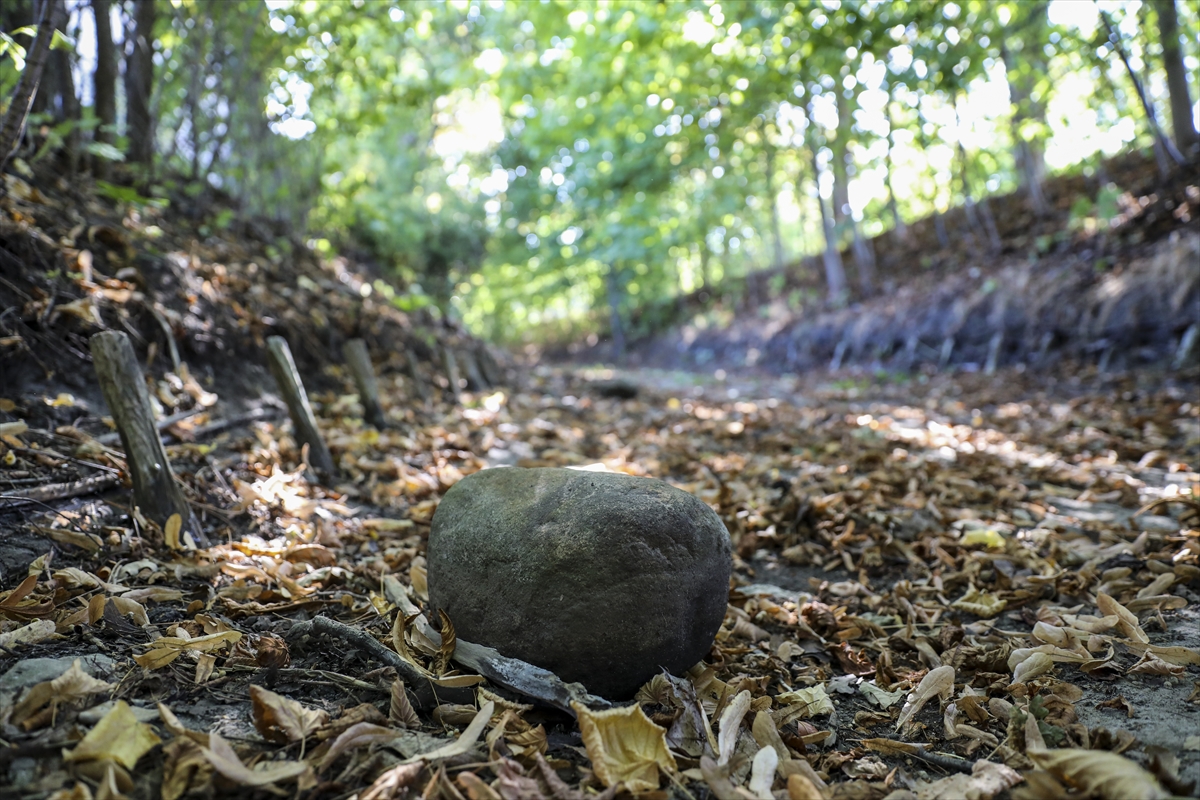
x: 555, y: 168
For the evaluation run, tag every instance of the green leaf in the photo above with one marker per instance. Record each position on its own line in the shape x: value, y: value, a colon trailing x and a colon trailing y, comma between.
x: 105, y: 151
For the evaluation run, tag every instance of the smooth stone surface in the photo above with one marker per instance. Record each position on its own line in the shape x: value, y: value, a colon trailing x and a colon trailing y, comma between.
x: 600, y: 577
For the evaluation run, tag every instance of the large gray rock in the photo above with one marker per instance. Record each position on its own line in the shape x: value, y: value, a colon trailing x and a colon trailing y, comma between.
x: 600, y: 577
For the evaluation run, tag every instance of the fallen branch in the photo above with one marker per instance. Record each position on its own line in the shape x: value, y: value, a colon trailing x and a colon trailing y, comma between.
x: 162, y: 424
x: 61, y: 491
x: 509, y: 673
x: 426, y: 693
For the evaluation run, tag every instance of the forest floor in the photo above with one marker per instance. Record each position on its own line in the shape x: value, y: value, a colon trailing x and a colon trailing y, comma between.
x: 945, y: 585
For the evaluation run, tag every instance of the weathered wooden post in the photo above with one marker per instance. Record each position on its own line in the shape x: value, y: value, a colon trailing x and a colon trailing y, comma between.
x: 155, y: 490
x: 359, y: 361
x: 283, y: 367
x: 450, y: 364
x: 491, y: 370
x: 475, y: 380
x: 414, y: 374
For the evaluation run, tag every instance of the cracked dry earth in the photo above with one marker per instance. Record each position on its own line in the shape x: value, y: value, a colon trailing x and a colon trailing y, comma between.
x: 944, y: 587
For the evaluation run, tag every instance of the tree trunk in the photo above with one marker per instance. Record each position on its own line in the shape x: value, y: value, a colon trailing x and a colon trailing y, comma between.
x: 139, y: 84
x: 841, y: 150
x: 864, y: 259
x: 1020, y: 68
x: 1177, y: 87
x: 35, y: 63
x: 835, y: 274
x: 1162, y: 145
x: 900, y: 229
x: 773, y: 199
x: 104, y: 82
x: 64, y: 84
x: 613, y: 282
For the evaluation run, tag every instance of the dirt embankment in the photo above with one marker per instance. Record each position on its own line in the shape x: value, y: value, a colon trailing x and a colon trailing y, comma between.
x: 1111, y: 274
x: 199, y: 296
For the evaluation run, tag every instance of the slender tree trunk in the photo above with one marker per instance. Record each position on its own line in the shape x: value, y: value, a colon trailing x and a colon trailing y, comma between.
x: 1028, y: 152
x: 900, y: 229
x: 1163, y: 147
x: 773, y: 199
x: 613, y: 281
x: 835, y: 274
x: 1177, y: 86
x: 841, y: 151
x: 104, y: 82
x: 35, y: 63
x: 69, y: 106
x: 706, y: 266
x: 864, y: 259
x: 139, y: 83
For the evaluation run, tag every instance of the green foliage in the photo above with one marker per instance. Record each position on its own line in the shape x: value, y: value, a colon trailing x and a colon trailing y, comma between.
x: 556, y: 168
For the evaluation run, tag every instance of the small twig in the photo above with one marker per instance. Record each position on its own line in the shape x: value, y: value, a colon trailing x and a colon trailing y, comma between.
x: 162, y: 424
x: 54, y: 454
x: 61, y: 491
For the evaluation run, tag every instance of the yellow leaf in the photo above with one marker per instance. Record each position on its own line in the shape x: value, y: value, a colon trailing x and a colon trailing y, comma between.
x: 1100, y: 773
x: 981, y: 604
x: 625, y: 746
x: 171, y: 531
x: 117, y: 737
x: 991, y: 539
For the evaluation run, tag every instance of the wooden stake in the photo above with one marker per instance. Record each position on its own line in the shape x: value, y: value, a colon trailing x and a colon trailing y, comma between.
x: 450, y: 364
x: 359, y: 361
x: 491, y: 370
x: 414, y: 374
x: 475, y: 378
x: 155, y: 490
x: 283, y: 367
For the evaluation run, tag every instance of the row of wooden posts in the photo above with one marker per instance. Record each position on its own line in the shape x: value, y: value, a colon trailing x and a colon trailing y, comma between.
x: 158, y: 494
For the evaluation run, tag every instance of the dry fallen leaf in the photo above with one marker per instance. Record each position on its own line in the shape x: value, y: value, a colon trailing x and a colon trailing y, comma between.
x: 281, y: 719
x: 625, y: 746
x: 1100, y: 774
x: 987, y: 779
x: 264, y: 773
x: 938, y: 683
x: 72, y: 685
x: 118, y: 737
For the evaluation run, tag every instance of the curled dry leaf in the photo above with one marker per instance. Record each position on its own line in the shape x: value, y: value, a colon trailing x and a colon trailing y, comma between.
x: 987, y: 779
x: 806, y: 703
x: 626, y: 747
x: 730, y: 725
x: 762, y: 773
x: 118, y: 737
x: 184, y: 767
x: 165, y: 650
x: 982, y: 604
x: 1033, y: 666
x: 361, y: 734
x: 465, y: 742
x: 281, y: 719
x: 800, y: 787
x: 264, y: 773
x: 938, y: 683
x: 72, y: 685
x: 1127, y: 621
x: 1100, y: 774
x: 400, y: 710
